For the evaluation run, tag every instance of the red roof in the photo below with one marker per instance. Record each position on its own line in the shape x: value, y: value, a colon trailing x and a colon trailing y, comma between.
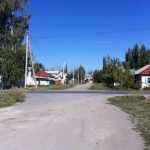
x: 146, y: 72
x: 143, y: 71
x: 42, y: 74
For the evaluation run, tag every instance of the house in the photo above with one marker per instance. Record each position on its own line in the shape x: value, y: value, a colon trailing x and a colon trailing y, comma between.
x: 89, y: 78
x: 43, y: 78
x: 59, y: 76
x: 144, y: 74
x: 46, y: 78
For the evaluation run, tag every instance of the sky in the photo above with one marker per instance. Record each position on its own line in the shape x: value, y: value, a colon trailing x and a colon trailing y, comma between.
x: 82, y: 32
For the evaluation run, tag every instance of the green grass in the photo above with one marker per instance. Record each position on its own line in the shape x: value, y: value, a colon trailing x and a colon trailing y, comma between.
x: 103, y: 86
x: 6, y: 102
x: 54, y: 87
x: 10, y: 97
x: 138, y: 107
x: 147, y: 89
x: 100, y: 86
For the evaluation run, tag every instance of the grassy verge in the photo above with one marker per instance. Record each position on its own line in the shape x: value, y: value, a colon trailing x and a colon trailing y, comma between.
x: 103, y: 86
x: 54, y: 87
x: 138, y: 107
x: 147, y: 89
x: 99, y: 87
x: 10, y: 97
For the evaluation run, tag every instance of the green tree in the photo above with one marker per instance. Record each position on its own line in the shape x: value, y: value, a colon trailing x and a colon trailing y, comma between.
x: 14, y: 23
x: 98, y: 76
x: 128, y: 77
x: 106, y: 64
x: 111, y: 71
x: 119, y: 75
x: 128, y: 58
x: 11, y: 66
x: 38, y: 67
x: 137, y: 57
x: 70, y: 76
x: 66, y: 69
x: 80, y: 72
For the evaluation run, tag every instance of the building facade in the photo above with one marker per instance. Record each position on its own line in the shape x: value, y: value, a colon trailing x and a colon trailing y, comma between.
x: 144, y: 74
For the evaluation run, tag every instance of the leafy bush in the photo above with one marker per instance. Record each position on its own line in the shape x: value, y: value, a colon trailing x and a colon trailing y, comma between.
x: 98, y: 76
x: 8, y: 98
x: 18, y: 94
x: 136, y: 86
x: 146, y: 88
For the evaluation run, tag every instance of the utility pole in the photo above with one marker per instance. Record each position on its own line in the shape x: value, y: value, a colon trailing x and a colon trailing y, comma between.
x: 26, y: 64
x: 81, y: 77
x: 64, y: 71
x: 73, y: 76
x: 32, y: 64
x: 78, y: 77
x: 29, y: 51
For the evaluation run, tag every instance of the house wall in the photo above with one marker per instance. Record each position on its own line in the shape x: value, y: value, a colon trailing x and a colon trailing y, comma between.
x: 43, y: 83
x: 30, y: 81
x: 145, y: 81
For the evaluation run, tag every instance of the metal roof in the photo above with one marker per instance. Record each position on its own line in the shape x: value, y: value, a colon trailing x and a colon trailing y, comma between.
x: 139, y: 71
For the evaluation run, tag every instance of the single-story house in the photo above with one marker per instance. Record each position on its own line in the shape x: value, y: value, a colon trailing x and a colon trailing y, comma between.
x: 62, y: 77
x: 144, y: 74
x: 41, y: 78
x: 89, y: 78
x: 44, y: 78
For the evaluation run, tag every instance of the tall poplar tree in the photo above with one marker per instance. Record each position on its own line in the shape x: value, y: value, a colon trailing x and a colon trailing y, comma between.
x: 137, y: 57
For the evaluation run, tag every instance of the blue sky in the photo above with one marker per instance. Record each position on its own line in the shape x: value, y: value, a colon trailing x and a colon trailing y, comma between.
x: 83, y: 31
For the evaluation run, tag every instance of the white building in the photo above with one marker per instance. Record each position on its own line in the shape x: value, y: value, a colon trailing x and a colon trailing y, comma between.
x: 89, y: 78
x: 46, y: 78
x: 144, y: 74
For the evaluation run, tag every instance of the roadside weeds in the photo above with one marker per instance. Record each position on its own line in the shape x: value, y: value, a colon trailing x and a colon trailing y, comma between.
x: 53, y: 87
x: 138, y: 107
x: 10, y: 97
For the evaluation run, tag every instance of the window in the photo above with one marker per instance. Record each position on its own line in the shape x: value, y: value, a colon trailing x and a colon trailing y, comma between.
x: 148, y: 80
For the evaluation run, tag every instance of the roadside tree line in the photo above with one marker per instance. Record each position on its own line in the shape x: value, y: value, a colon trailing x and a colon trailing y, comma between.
x: 121, y: 74
x: 78, y: 73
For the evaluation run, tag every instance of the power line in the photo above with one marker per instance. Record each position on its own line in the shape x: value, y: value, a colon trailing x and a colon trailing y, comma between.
x: 96, y: 33
x: 41, y: 51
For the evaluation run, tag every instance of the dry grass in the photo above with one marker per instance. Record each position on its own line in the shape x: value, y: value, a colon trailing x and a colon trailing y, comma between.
x: 10, y: 97
x: 138, y: 107
x: 54, y: 87
x: 100, y: 86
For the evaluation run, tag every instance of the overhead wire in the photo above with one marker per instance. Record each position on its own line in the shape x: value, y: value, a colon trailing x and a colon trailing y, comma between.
x: 96, y: 33
x: 81, y: 34
x: 42, y: 52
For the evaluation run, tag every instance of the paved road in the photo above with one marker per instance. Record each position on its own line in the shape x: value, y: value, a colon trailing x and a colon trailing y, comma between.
x: 51, y: 121
x: 84, y: 89
x: 108, y: 92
